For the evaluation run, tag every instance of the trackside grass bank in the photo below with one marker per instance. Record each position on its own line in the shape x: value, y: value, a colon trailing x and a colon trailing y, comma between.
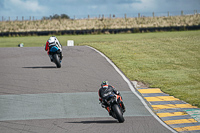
x: 168, y: 60
x: 98, y: 23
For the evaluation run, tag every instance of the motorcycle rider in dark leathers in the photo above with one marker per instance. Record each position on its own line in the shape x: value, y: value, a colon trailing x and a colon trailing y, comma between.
x: 104, y: 92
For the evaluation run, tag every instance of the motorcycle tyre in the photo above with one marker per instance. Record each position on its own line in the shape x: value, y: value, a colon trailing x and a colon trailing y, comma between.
x: 118, y: 113
x: 56, y: 60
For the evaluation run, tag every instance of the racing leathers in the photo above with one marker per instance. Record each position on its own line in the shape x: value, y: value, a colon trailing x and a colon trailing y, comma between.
x: 53, y: 41
x: 104, y: 93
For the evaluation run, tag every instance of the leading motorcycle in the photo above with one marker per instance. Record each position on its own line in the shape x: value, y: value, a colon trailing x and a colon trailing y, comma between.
x: 55, y: 52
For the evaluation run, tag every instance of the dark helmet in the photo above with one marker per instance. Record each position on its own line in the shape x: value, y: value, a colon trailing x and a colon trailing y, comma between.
x: 104, y: 83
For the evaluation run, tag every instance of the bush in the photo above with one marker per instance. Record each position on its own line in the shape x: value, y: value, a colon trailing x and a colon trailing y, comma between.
x: 56, y: 16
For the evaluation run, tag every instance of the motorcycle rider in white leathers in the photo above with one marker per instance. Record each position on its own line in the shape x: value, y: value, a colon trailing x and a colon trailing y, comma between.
x: 52, y: 41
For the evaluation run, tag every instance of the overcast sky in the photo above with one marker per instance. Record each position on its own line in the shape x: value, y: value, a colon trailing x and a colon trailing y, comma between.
x: 83, y: 8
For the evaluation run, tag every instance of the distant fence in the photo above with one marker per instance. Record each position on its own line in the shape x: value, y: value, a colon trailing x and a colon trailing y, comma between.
x: 99, y: 31
x: 126, y: 15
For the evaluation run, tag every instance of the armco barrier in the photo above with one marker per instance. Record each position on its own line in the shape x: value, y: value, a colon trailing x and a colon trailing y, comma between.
x: 98, y: 31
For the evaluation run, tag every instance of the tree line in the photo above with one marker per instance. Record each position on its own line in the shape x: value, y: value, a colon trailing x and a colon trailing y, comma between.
x: 56, y: 16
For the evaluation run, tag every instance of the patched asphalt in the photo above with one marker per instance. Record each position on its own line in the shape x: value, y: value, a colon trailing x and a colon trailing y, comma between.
x: 35, y: 96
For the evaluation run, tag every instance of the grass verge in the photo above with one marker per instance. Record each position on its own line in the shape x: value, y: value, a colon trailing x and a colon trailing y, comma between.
x: 168, y: 60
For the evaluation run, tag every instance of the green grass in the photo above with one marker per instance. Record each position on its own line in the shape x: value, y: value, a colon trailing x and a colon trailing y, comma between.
x: 168, y: 60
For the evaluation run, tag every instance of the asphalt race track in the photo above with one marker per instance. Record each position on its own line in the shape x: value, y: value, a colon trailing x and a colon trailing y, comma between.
x: 37, y: 97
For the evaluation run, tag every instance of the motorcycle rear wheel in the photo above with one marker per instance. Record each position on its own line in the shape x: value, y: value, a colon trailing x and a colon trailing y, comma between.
x: 56, y: 60
x: 118, y: 113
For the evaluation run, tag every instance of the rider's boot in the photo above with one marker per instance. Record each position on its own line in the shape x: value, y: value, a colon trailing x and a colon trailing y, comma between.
x: 61, y: 56
x: 51, y: 57
x: 123, y: 107
x: 108, y: 109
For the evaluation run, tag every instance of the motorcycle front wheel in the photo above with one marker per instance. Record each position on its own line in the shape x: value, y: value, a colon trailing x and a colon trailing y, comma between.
x: 118, y: 113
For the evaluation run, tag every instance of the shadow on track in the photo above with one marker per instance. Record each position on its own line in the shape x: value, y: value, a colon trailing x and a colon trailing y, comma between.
x: 97, y: 122
x: 43, y: 67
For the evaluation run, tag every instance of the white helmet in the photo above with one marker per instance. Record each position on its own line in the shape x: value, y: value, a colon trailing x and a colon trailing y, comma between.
x: 52, y: 40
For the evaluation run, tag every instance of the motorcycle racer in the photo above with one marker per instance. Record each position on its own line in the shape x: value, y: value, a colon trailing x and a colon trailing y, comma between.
x: 53, y: 41
x: 104, y: 93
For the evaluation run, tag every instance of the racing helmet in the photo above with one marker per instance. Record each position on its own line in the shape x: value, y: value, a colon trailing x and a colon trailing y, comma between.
x: 55, y: 38
x: 51, y: 40
x: 104, y: 83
